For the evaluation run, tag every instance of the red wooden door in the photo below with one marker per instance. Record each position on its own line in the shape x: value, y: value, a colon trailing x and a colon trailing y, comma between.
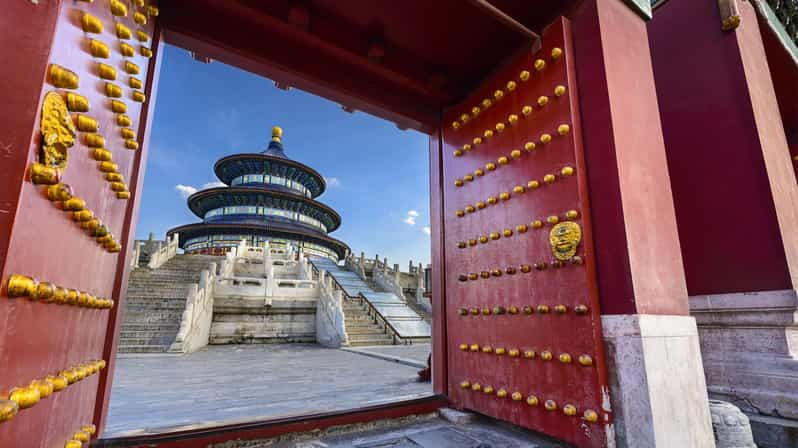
x: 523, y: 323
x: 69, y: 204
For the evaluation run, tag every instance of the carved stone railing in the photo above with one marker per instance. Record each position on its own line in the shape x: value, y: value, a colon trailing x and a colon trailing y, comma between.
x: 240, y: 287
x: 249, y: 267
x: 252, y: 272
x: 330, y: 321
x: 356, y: 265
x: 295, y: 289
x: 412, y: 280
x: 304, y: 268
x: 195, y: 325
x: 164, y: 253
x: 134, y: 259
x: 388, y: 281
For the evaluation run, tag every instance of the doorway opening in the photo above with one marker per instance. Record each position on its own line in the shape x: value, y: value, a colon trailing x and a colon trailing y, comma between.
x: 251, y: 294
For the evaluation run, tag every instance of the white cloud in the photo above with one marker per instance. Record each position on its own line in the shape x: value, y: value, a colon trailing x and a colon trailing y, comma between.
x: 411, y: 218
x: 185, y: 190
x: 332, y: 182
x: 427, y: 230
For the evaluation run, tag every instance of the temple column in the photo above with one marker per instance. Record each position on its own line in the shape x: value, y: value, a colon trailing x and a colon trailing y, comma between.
x: 736, y: 199
x: 657, y: 387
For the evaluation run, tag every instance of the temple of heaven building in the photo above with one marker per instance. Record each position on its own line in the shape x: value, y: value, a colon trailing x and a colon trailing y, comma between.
x: 266, y: 197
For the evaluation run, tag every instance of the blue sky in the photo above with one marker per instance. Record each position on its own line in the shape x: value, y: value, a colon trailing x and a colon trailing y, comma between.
x: 377, y: 176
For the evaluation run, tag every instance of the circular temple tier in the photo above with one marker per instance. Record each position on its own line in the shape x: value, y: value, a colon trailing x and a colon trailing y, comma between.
x: 266, y: 197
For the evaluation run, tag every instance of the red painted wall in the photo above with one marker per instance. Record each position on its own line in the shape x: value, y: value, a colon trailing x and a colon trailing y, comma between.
x: 728, y: 229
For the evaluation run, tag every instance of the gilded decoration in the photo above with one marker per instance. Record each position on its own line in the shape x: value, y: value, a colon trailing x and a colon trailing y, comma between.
x: 58, y: 131
x: 565, y: 238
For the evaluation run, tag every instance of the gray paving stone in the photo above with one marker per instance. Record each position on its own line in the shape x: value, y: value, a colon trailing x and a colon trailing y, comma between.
x: 416, y: 352
x: 424, y: 431
x: 238, y: 383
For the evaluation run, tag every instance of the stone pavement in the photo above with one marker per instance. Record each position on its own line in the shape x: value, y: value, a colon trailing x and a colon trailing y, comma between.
x: 414, y: 355
x: 426, y: 431
x: 234, y: 383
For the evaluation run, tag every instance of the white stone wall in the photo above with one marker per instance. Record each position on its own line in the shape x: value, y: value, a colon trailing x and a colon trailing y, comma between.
x: 657, y: 389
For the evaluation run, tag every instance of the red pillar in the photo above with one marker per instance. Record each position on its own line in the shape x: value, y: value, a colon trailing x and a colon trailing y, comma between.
x: 653, y: 354
x: 640, y: 264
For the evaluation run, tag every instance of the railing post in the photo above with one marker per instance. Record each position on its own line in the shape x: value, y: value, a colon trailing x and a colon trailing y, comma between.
x: 136, y: 254
x: 203, y: 280
x: 419, y: 284
x: 270, y: 281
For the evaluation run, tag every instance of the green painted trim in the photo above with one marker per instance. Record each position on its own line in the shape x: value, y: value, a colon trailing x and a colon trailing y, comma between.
x: 641, y: 7
x: 775, y: 24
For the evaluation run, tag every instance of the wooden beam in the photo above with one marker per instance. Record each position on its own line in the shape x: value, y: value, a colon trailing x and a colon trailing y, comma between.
x: 224, y: 32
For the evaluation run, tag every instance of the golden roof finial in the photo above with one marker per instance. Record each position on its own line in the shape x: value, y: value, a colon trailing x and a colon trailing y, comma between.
x: 277, y: 134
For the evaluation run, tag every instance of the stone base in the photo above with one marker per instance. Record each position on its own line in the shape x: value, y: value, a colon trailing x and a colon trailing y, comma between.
x: 774, y: 432
x: 748, y: 342
x: 657, y: 386
x: 250, y: 321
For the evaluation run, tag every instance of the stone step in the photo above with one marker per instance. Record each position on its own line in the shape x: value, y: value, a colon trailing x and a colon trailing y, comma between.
x: 362, y: 321
x: 353, y: 309
x: 367, y: 323
x: 368, y: 342
x: 157, y: 291
x: 156, y: 300
x: 154, y: 317
x: 144, y: 286
x: 155, y: 306
x: 142, y: 307
x: 160, y: 275
x: 364, y: 331
x: 147, y: 284
x: 136, y: 327
x: 369, y: 336
x: 184, y: 271
x: 156, y: 303
x: 142, y: 348
x: 134, y: 334
x: 356, y: 316
x: 154, y: 340
x: 262, y: 340
x: 154, y: 297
